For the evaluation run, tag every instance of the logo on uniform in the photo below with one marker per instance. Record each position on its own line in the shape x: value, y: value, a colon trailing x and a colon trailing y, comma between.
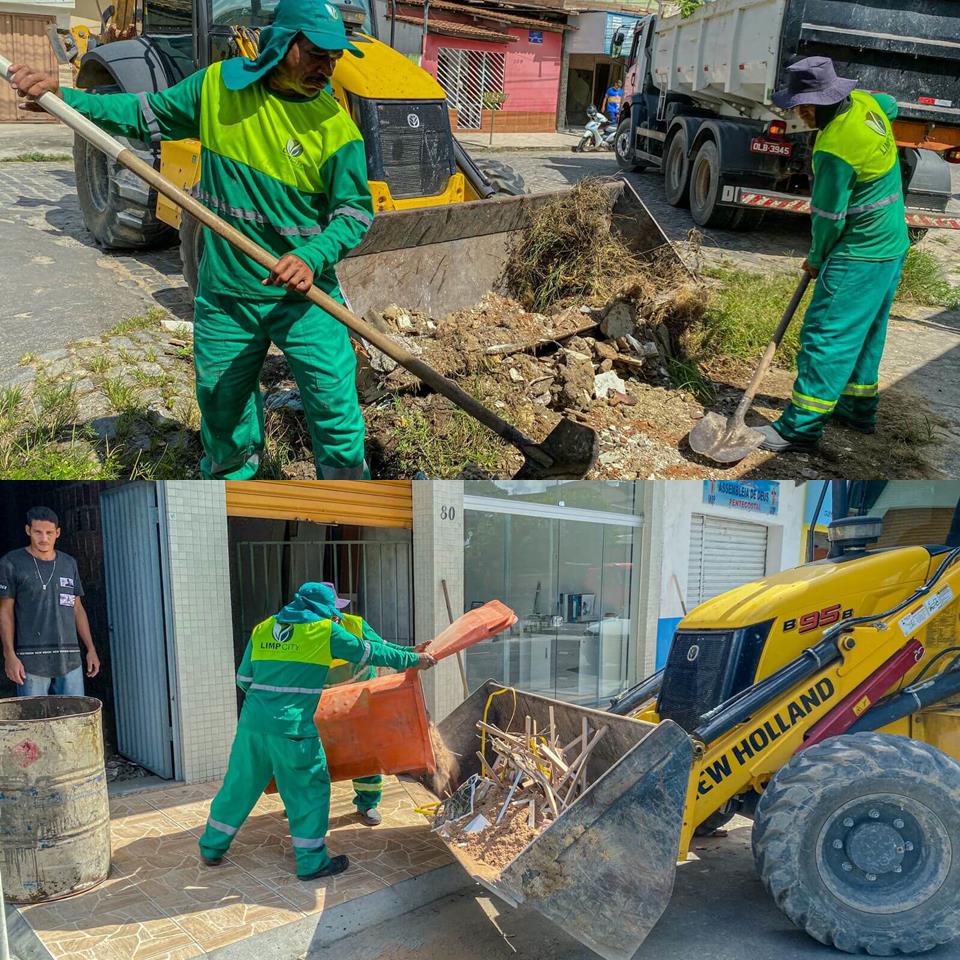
x: 282, y: 632
x: 333, y: 11
x: 875, y: 122
x: 413, y: 120
x: 294, y: 148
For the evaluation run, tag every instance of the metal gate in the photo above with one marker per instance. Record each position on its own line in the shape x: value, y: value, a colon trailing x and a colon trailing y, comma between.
x: 139, y: 658
x: 723, y: 554
x: 466, y: 75
x: 377, y: 576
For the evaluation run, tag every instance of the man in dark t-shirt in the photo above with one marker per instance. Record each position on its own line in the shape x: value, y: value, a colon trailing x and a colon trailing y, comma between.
x: 42, y: 615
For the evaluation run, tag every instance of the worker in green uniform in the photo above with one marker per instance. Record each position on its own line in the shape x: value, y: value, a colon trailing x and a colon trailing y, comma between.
x: 283, y: 163
x: 857, y: 253
x: 283, y: 672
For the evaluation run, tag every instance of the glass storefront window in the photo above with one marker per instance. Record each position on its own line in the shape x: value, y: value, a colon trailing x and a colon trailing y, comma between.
x: 609, y: 496
x: 571, y: 583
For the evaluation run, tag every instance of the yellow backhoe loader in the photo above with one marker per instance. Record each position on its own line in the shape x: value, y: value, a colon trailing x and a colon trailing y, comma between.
x: 822, y: 702
x: 427, y: 191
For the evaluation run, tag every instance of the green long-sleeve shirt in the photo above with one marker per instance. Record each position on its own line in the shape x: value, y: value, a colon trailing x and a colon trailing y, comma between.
x: 857, y: 208
x: 290, y: 174
x: 284, y: 670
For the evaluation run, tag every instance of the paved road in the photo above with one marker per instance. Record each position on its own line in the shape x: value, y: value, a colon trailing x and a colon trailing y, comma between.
x: 718, y: 911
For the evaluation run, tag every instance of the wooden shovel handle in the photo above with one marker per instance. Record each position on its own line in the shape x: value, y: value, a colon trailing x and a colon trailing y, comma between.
x: 433, y: 378
x: 764, y: 365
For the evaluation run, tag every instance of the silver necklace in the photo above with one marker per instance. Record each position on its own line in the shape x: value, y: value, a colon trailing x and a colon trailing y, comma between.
x: 52, y: 572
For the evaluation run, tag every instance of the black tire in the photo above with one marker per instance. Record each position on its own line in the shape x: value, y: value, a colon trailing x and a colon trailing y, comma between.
x: 676, y: 170
x: 716, y: 821
x: 857, y: 839
x: 191, y: 249
x: 623, y: 151
x: 502, y: 176
x: 705, y: 189
x: 118, y: 208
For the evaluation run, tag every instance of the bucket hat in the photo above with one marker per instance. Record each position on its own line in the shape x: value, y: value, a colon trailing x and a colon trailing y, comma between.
x: 815, y: 81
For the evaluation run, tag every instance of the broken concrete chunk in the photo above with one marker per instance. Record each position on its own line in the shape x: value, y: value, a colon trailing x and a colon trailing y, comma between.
x: 606, y: 383
x: 618, y: 320
x: 515, y: 375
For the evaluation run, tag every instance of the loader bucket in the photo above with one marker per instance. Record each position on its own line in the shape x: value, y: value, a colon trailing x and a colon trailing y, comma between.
x: 604, y: 870
x: 442, y: 259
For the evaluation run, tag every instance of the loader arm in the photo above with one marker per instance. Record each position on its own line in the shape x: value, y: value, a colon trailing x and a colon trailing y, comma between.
x: 745, y: 741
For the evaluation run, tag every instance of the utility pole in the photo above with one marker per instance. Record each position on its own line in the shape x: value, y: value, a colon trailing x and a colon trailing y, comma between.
x: 393, y: 24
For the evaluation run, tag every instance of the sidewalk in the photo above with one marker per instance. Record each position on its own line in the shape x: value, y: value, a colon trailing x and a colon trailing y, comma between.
x: 477, y: 141
x: 18, y: 139
x: 161, y: 903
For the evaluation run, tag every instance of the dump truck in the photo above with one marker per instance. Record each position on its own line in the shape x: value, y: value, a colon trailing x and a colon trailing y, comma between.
x: 415, y: 164
x: 823, y: 702
x: 697, y: 101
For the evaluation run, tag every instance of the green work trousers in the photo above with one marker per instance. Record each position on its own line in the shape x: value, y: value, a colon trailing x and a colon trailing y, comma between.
x: 231, y: 338
x: 300, y: 769
x: 841, y: 342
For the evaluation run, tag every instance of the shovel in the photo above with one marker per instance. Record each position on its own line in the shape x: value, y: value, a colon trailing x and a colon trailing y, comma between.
x: 568, y: 452
x: 730, y: 440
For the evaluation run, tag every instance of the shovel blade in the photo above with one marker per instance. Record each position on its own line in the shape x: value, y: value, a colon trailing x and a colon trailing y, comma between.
x: 569, y: 453
x: 724, y: 440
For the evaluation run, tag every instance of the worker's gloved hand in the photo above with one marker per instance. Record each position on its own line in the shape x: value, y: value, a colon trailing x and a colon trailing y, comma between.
x: 420, y: 647
x: 31, y: 83
x: 425, y: 662
x: 813, y: 271
x: 290, y: 272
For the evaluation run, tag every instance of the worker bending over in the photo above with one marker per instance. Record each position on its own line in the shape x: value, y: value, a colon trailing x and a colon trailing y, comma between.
x: 859, y: 245
x: 284, y: 164
x: 283, y: 672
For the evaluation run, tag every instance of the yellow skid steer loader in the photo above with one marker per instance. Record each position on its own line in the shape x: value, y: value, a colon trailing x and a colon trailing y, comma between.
x: 824, y: 703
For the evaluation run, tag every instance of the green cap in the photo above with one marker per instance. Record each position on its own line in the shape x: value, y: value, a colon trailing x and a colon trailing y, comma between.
x: 318, y: 20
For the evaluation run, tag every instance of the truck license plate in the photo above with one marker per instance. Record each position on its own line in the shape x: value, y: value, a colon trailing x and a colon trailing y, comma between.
x: 769, y: 146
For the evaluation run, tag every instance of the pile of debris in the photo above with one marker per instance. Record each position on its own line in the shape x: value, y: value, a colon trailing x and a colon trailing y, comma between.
x: 526, y: 785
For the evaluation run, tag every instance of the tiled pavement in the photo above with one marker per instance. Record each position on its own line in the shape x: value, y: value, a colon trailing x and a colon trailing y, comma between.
x: 161, y: 903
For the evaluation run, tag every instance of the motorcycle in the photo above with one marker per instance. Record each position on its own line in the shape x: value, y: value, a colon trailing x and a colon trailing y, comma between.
x: 599, y: 133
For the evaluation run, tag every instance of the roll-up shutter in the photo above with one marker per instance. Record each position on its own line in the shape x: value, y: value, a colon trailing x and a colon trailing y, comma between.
x: 723, y: 554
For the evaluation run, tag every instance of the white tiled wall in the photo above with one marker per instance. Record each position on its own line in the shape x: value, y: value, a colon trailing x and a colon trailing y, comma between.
x: 199, y: 578
x: 438, y: 556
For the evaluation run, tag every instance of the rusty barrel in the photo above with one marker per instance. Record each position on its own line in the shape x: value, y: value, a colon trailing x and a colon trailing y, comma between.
x: 54, y: 815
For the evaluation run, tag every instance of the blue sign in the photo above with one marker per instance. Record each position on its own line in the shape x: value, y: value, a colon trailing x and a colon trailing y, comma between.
x: 755, y: 496
x: 535, y: 36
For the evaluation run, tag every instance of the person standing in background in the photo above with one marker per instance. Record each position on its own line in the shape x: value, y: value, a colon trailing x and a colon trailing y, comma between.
x: 42, y: 615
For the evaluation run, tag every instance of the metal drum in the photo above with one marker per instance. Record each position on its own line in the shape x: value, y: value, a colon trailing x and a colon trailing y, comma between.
x: 54, y: 815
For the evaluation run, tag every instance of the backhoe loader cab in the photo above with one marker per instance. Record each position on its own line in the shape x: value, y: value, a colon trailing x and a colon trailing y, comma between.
x: 824, y: 702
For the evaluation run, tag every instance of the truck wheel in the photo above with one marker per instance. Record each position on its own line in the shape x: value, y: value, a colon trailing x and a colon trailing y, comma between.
x: 118, y: 208
x: 705, y: 189
x: 624, y: 151
x: 715, y: 821
x: 676, y: 170
x: 191, y: 249
x: 501, y: 175
x: 857, y: 839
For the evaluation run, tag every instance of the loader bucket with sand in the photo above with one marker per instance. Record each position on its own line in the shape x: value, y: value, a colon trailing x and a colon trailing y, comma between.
x: 440, y: 259
x: 604, y: 870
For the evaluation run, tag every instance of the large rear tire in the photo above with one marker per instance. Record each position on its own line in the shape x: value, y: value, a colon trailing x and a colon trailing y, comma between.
x: 118, y: 208
x: 705, y: 189
x: 676, y: 170
x: 857, y: 839
x: 502, y: 176
x: 191, y: 249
